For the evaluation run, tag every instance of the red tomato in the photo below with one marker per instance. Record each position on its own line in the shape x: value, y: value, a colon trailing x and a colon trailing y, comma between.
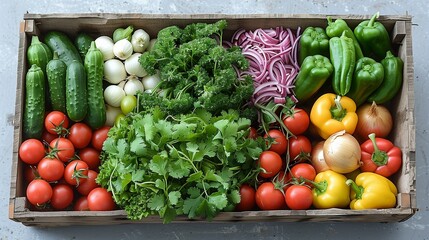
x: 48, y: 137
x: 39, y: 192
x: 99, y: 199
x: 269, y: 198
x: 299, y: 148
x: 91, y: 157
x: 298, y: 122
x: 247, y: 201
x: 99, y: 136
x: 80, y: 135
x: 280, y: 142
x: 62, y: 196
x: 51, y: 169
x: 31, y: 151
x: 253, y: 133
x: 299, y: 197
x: 76, y: 172
x: 271, y: 162
x: 29, y: 173
x: 56, y: 122
x: 81, y: 204
x: 85, y: 187
x: 304, y: 170
x: 63, y: 149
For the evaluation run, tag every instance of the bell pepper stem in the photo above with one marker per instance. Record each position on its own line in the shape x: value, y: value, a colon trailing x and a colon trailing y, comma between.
x: 355, y: 188
x: 337, y: 111
x: 389, y: 54
x: 379, y: 157
x: 329, y: 20
x: 372, y: 20
x: 320, y: 187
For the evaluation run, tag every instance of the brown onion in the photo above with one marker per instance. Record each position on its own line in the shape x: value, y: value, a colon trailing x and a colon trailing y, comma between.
x: 342, y: 152
x: 317, y: 158
x: 373, y: 118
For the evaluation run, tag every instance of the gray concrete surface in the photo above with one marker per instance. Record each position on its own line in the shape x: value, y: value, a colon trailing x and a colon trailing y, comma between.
x: 11, y: 12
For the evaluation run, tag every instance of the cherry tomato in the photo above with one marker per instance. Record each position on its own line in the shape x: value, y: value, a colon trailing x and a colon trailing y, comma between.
x: 31, y: 151
x: 304, y: 170
x: 298, y: 122
x: 91, y: 157
x: 253, y: 133
x: 280, y: 142
x: 81, y: 204
x: 80, y: 135
x: 50, y: 169
x: 76, y: 172
x: 85, y: 187
x: 99, y: 136
x: 62, y: 196
x: 299, y: 148
x: 48, y: 137
x: 56, y: 122
x: 271, y: 162
x: 299, y: 197
x: 39, y: 192
x: 63, y: 149
x: 99, y: 199
x: 247, y: 201
x: 128, y: 103
x: 269, y: 198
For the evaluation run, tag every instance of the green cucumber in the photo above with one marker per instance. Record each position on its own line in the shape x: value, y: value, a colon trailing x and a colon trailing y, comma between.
x: 94, y: 66
x: 38, y: 53
x: 61, y: 43
x: 83, y: 43
x: 76, y: 94
x: 34, y: 109
x: 56, y: 75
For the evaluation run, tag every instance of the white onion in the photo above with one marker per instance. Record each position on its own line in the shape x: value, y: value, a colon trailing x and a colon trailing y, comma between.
x: 123, y: 49
x: 113, y: 95
x: 140, y: 40
x: 133, y: 85
x: 105, y: 45
x: 150, y: 82
x: 122, y: 84
x: 111, y: 114
x: 133, y: 66
x: 114, y: 71
x: 317, y: 158
x: 151, y: 44
x: 342, y: 152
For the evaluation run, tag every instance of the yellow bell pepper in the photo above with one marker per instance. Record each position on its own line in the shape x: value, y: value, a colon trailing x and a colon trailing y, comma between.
x: 330, y: 190
x: 372, y: 191
x: 331, y: 114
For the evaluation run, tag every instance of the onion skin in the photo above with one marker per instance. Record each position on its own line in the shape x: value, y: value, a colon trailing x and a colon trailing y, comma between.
x: 373, y: 118
x: 317, y: 158
x: 342, y: 152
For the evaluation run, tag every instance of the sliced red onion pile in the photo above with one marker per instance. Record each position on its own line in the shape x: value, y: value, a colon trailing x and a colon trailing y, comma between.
x: 272, y: 54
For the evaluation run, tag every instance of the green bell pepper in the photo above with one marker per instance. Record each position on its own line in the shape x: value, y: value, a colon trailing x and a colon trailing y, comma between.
x: 314, y: 72
x: 367, y: 78
x: 373, y: 38
x: 336, y: 29
x: 342, y: 55
x: 313, y: 41
x: 393, y: 68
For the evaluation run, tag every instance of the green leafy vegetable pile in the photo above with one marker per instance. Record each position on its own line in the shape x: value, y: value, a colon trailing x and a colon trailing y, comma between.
x: 197, y: 71
x: 190, y: 164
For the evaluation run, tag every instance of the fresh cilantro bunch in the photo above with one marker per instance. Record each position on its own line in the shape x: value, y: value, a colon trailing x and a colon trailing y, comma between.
x: 190, y: 164
x: 196, y: 71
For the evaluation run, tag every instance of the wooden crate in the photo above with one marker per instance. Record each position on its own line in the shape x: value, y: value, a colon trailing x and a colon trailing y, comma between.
x: 403, y: 134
